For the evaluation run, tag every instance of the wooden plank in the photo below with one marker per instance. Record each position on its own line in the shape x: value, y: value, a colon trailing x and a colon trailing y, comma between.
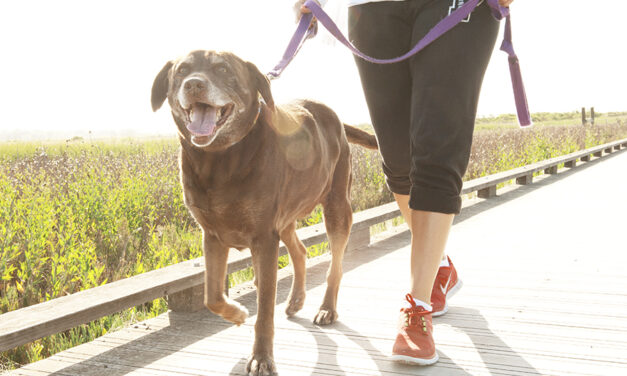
x: 549, y: 166
x: 54, y: 316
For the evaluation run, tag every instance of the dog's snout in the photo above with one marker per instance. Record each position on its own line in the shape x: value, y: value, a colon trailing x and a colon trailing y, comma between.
x: 194, y: 84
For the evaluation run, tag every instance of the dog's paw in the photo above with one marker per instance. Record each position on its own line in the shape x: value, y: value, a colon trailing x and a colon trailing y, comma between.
x: 325, y: 317
x: 260, y: 365
x: 235, y: 312
x: 295, y: 303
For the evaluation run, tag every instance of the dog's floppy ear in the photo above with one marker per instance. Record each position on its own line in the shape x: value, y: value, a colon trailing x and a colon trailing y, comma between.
x: 160, y: 87
x: 262, y: 83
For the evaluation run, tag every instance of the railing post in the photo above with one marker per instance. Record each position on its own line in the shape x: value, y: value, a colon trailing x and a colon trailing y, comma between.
x: 524, y: 180
x: 358, y: 238
x: 190, y: 300
x: 487, y: 192
x: 551, y: 170
x: 583, y: 116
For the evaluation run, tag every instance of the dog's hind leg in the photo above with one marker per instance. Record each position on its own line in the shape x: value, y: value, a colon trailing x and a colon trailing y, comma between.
x: 298, y: 256
x: 216, y: 257
x: 338, y: 218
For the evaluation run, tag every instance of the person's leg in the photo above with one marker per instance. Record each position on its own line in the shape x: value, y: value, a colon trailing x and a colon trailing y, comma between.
x: 429, y: 234
x: 384, y: 30
x: 447, y: 79
x: 403, y: 204
x: 446, y: 82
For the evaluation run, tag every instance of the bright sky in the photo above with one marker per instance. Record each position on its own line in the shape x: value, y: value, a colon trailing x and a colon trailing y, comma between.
x: 68, y: 67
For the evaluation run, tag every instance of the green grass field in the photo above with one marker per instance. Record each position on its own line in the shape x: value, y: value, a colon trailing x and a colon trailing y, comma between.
x: 74, y: 215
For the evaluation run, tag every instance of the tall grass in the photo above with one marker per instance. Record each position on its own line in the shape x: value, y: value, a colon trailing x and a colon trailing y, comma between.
x: 78, y: 215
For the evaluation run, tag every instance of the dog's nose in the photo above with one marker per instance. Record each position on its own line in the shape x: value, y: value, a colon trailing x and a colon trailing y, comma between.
x: 194, y: 84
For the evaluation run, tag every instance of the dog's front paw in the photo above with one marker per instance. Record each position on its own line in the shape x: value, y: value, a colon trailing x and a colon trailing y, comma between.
x: 260, y: 365
x: 295, y: 303
x: 325, y: 317
x: 234, y: 312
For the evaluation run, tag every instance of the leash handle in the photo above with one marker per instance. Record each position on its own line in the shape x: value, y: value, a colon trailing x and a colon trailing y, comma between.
x: 520, y: 96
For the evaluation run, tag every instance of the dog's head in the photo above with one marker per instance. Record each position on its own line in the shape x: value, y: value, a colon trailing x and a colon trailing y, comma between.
x: 214, y: 97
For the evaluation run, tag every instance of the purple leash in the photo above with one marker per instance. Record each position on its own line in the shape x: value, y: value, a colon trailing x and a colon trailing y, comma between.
x: 304, y: 31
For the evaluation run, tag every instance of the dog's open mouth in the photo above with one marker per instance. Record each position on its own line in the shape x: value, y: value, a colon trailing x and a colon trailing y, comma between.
x: 205, y: 119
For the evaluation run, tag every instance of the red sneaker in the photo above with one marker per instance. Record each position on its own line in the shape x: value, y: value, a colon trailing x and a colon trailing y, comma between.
x: 445, y: 286
x: 414, y: 342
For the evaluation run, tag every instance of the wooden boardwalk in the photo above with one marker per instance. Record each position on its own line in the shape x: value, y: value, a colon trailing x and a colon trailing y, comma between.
x: 544, y: 268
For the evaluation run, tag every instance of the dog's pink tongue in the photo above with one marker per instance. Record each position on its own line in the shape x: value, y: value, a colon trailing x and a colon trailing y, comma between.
x: 203, y: 120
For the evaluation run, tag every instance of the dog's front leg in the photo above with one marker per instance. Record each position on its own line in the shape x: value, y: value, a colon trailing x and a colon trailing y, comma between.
x: 216, y: 257
x: 265, y: 253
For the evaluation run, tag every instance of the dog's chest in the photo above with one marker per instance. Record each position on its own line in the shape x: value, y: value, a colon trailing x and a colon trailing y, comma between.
x: 234, y: 220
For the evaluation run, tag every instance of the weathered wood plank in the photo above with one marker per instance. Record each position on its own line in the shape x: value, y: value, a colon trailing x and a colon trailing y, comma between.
x: 30, y: 323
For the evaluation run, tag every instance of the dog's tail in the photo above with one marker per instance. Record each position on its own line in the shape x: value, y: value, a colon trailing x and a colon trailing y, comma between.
x: 359, y: 137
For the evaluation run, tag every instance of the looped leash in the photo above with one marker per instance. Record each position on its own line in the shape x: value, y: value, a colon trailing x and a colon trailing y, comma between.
x: 304, y: 31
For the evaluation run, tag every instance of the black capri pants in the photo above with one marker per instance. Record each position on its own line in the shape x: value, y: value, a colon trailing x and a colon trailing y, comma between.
x: 423, y: 109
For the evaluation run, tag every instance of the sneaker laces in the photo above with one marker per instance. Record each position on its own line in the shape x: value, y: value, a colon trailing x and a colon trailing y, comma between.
x: 415, y: 316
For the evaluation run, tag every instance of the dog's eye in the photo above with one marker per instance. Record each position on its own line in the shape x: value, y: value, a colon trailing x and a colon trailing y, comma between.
x: 183, y: 70
x: 222, y: 69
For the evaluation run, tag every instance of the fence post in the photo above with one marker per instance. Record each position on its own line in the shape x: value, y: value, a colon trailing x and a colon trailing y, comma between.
x: 487, y: 192
x: 524, y: 180
x: 358, y: 238
x: 592, y: 115
x: 190, y: 300
x: 551, y: 170
x: 570, y: 164
x: 583, y: 116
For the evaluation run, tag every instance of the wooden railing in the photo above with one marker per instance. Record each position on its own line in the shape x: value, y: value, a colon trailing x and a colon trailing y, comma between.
x: 183, y: 283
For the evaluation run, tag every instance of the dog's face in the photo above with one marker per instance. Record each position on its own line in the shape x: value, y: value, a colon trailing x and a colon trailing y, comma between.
x: 214, y: 97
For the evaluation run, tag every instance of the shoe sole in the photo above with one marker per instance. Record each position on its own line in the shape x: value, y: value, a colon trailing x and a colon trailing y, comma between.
x: 449, y: 295
x: 414, y: 361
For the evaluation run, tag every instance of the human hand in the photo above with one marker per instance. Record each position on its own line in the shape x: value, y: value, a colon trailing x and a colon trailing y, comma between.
x: 505, y: 3
x: 300, y: 9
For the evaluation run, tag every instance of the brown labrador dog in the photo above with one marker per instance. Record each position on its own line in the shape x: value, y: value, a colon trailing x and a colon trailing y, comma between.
x: 249, y: 170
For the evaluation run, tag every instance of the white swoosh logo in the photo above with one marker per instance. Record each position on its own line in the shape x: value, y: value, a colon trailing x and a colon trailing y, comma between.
x: 445, y: 287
